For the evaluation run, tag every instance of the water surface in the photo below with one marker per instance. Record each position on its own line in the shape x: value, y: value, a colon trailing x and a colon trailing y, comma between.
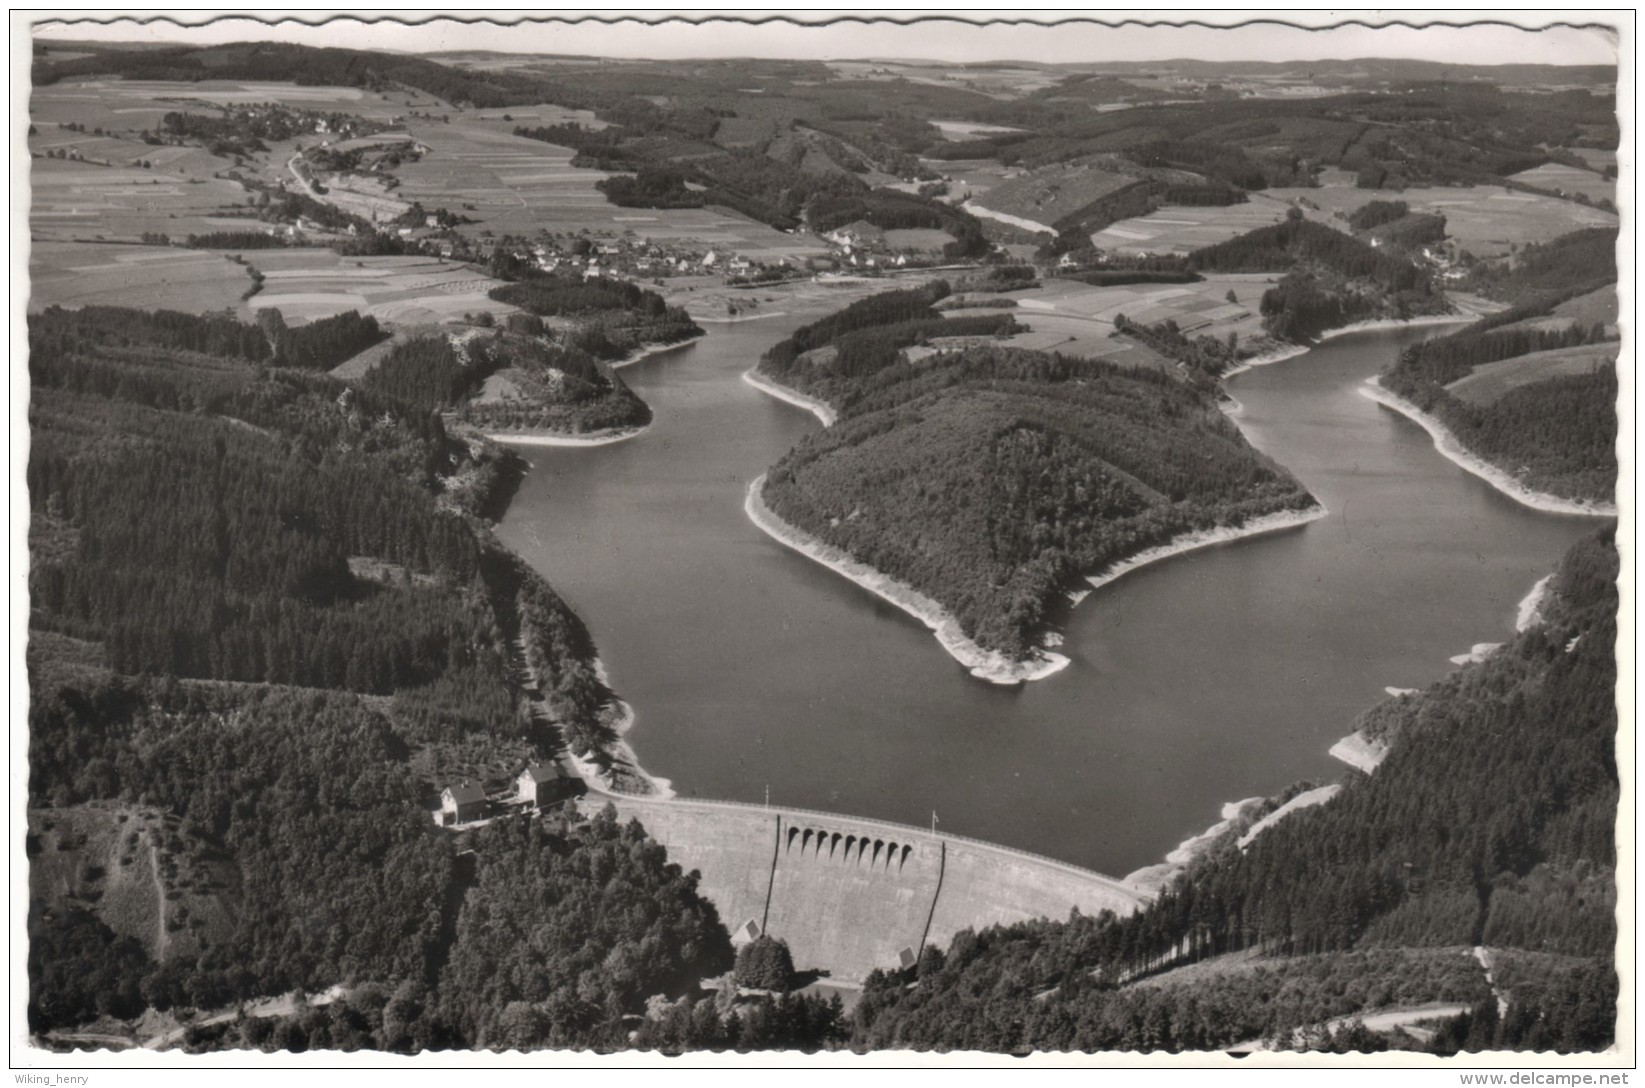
x: 1217, y: 675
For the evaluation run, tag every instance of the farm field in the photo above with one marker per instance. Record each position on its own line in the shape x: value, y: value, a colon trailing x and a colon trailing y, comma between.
x: 1483, y: 219
x: 921, y: 238
x: 516, y: 185
x: 1491, y: 382
x: 1047, y: 195
x: 1595, y: 157
x: 77, y: 274
x: 80, y: 201
x: 1569, y: 179
x: 1184, y: 229
x: 1077, y: 319
x: 305, y: 284
x: 522, y: 186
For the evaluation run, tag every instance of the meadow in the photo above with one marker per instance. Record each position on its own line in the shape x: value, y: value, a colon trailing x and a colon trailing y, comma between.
x: 1491, y: 382
x: 1568, y: 179
x: 1184, y: 229
x: 148, y: 277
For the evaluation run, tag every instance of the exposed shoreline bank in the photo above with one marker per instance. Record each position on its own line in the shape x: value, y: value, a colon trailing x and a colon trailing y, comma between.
x: 1155, y: 877
x: 1206, y: 538
x: 1382, y: 324
x: 1267, y: 359
x: 1364, y: 754
x: 594, y: 438
x: 646, y: 351
x: 551, y: 438
x: 1454, y: 451
x: 739, y: 319
x: 621, y: 752
x: 790, y: 396
x: 988, y: 665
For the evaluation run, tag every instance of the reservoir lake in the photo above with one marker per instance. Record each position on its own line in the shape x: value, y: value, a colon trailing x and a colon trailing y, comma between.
x: 1213, y: 676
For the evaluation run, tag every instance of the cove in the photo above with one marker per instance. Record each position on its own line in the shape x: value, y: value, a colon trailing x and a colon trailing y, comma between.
x: 1219, y: 674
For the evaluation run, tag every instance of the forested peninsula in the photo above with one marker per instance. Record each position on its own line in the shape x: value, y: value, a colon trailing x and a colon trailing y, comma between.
x: 990, y: 479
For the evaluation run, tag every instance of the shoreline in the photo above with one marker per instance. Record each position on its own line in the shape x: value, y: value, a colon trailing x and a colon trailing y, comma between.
x: 1267, y: 359
x: 645, y: 351
x: 594, y: 438
x: 1530, y: 609
x: 1155, y: 877
x: 551, y: 438
x: 1359, y: 752
x: 619, y: 751
x: 1385, y: 323
x: 989, y: 665
x: 789, y: 396
x: 1206, y: 538
x: 739, y: 319
x: 1454, y: 451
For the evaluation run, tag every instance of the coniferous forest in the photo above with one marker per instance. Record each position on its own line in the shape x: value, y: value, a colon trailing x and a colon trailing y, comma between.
x: 267, y: 614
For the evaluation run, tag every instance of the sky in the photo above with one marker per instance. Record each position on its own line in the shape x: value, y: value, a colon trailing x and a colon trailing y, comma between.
x: 942, y: 37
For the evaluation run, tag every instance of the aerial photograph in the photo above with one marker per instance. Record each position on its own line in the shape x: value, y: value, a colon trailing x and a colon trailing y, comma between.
x: 1034, y: 541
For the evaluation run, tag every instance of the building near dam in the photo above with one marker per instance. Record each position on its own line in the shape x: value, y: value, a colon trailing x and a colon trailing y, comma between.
x: 849, y: 894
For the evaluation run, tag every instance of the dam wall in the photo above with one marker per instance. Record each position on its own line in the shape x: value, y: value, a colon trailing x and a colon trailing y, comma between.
x: 851, y: 894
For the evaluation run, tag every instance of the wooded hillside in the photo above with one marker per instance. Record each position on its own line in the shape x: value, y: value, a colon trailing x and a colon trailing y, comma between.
x: 989, y: 478
x: 1490, y: 823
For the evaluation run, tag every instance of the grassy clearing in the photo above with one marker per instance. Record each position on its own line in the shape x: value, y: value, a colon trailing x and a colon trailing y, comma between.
x: 136, y: 870
x: 1489, y: 383
x: 1077, y: 319
x: 1594, y: 307
x: 970, y: 177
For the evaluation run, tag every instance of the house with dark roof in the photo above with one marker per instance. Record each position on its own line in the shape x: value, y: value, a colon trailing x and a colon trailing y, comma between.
x: 543, y: 784
x: 462, y: 804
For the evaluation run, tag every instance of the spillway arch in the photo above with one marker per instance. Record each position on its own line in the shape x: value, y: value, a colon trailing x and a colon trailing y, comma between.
x: 826, y: 845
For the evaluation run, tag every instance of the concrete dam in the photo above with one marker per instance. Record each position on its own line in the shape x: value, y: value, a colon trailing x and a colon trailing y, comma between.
x: 850, y: 894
